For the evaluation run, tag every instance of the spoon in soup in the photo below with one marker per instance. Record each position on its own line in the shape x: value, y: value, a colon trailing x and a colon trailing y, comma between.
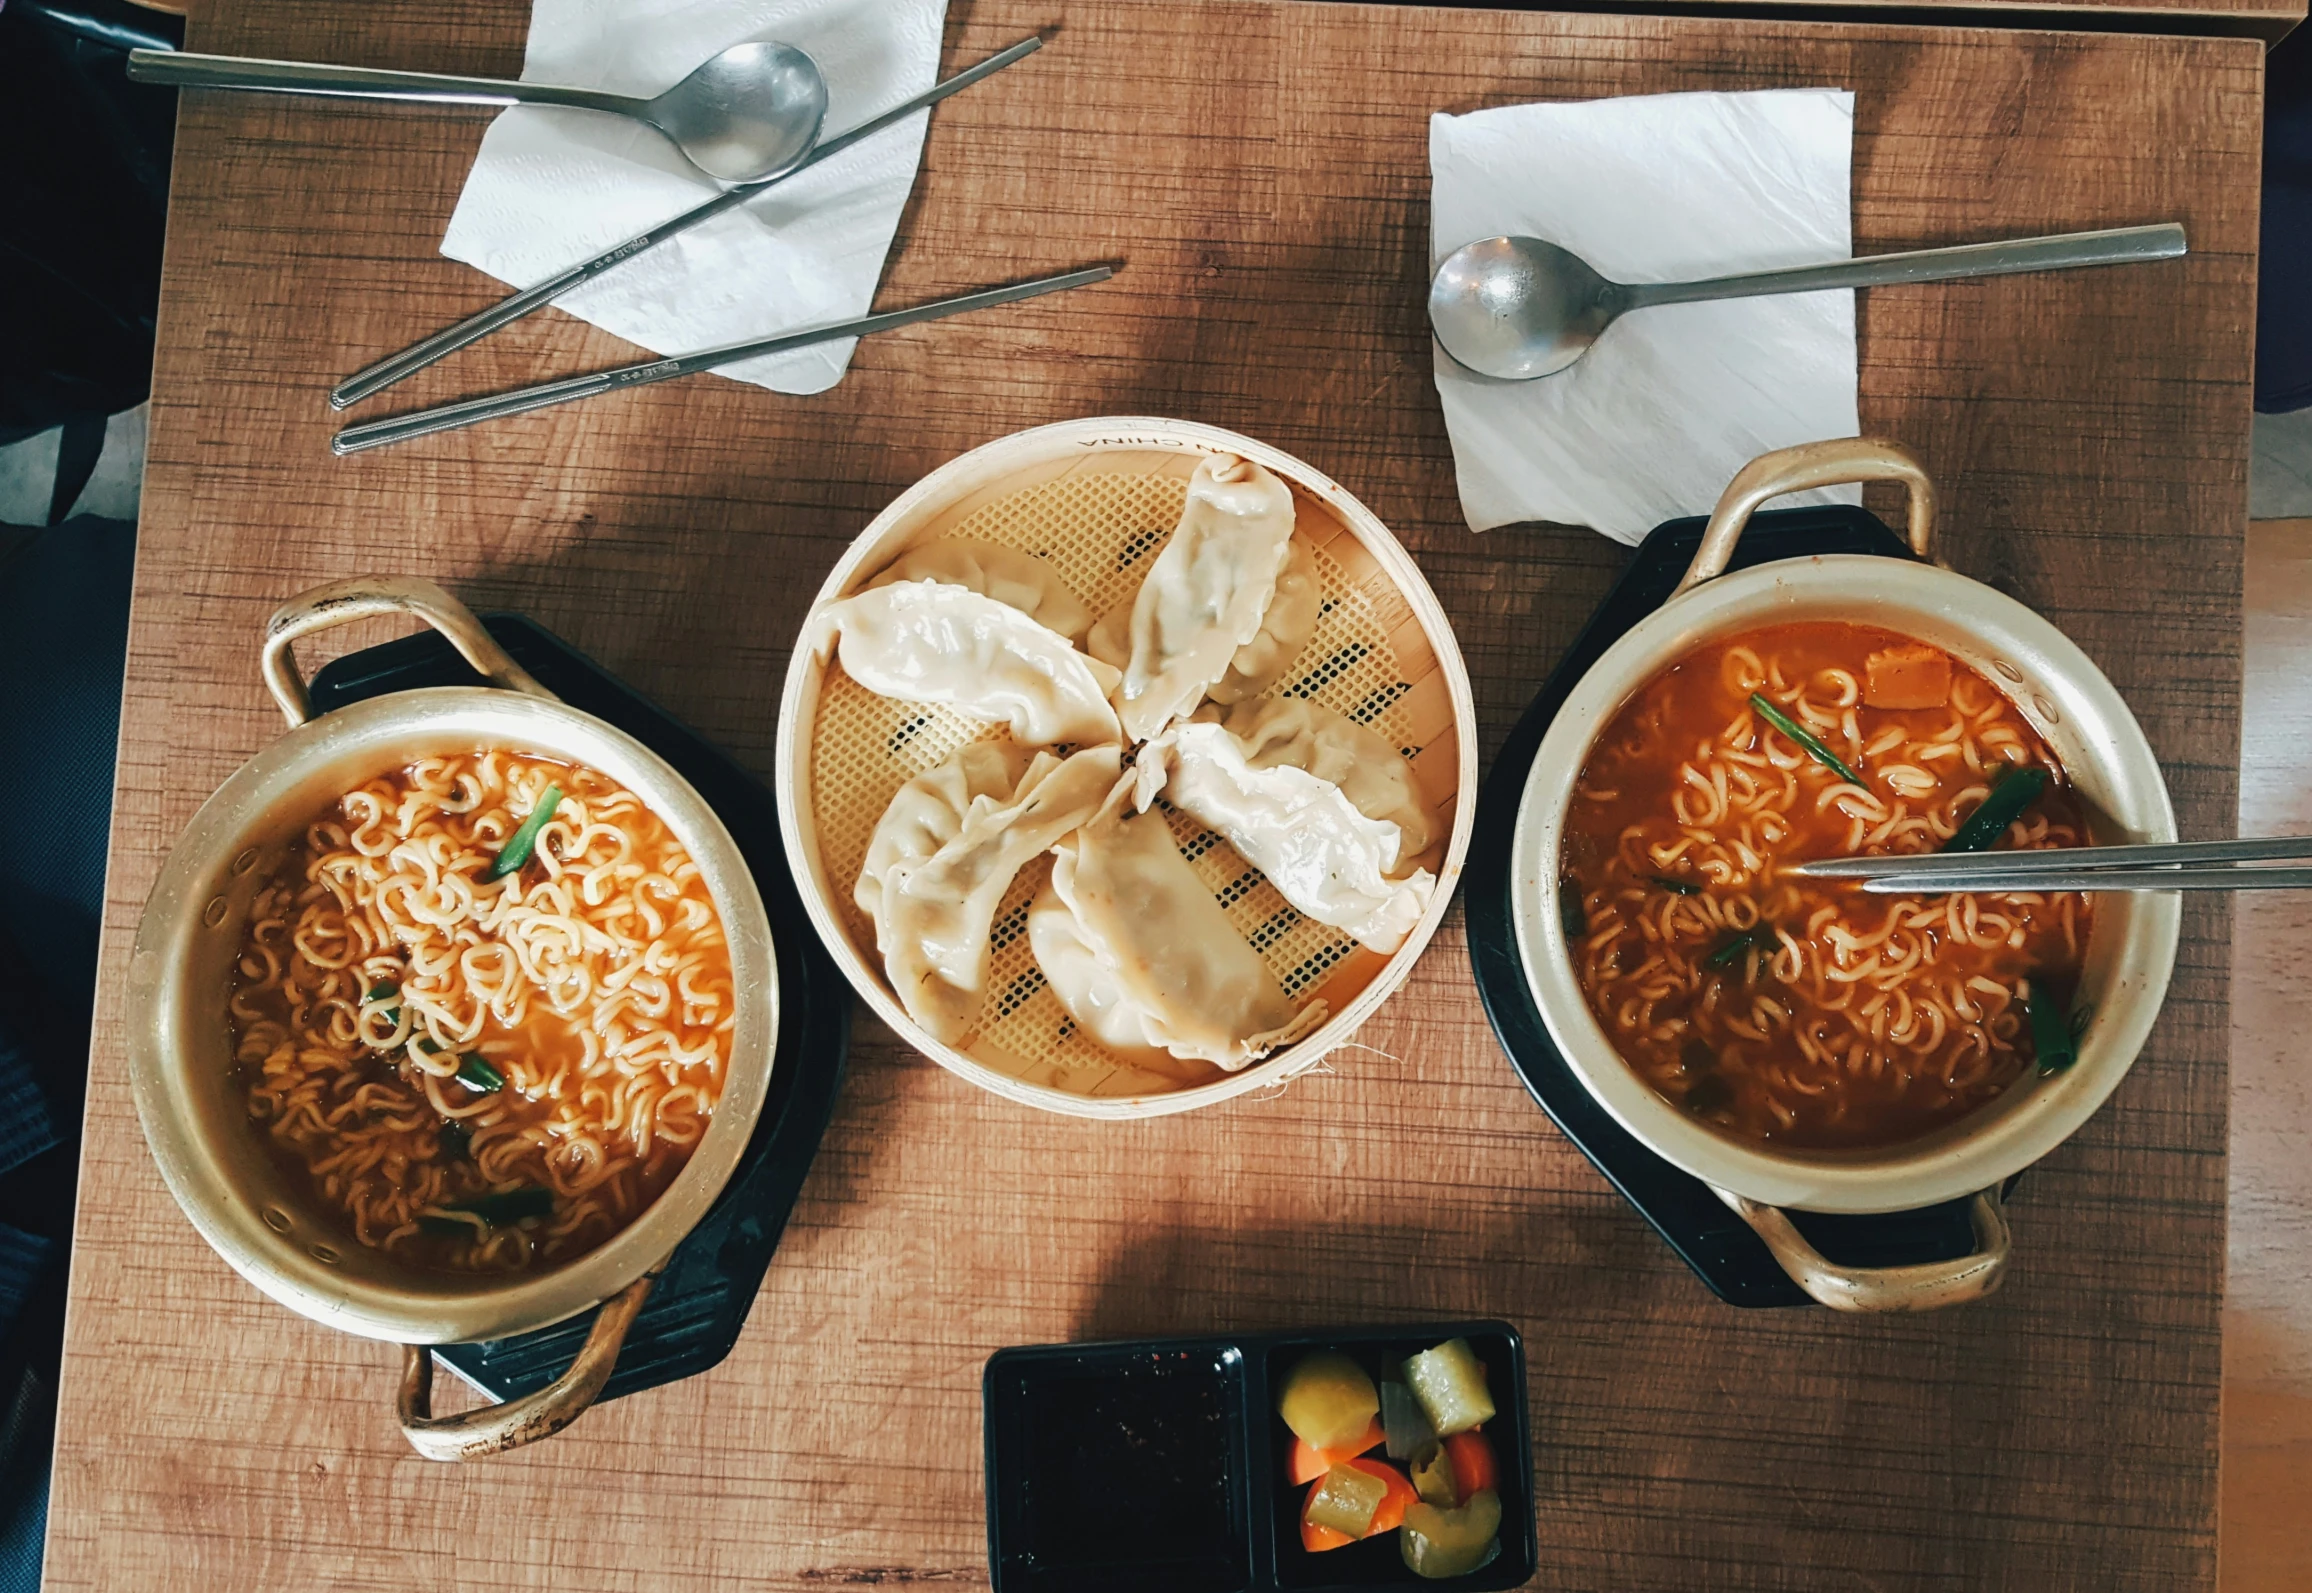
x: 750, y: 112
x: 1519, y: 308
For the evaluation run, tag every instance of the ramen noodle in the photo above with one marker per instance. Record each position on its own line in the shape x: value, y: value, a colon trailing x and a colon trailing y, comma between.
x: 483, y: 1011
x: 1803, y: 1012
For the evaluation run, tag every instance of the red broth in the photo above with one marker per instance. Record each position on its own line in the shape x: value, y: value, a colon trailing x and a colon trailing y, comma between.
x: 477, y: 1073
x: 1798, y: 1012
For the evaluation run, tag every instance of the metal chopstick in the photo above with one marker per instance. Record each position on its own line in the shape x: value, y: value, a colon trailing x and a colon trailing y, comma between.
x: 394, y: 367
x: 2088, y: 879
x: 2058, y: 860
x: 450, y: 417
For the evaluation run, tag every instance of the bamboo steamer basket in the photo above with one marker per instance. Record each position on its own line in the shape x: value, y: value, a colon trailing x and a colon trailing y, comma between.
x: 1097, y: 499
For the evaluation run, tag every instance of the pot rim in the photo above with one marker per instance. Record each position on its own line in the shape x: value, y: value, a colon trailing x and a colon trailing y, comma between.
x: 200, y: 868
x: 1980, y: 625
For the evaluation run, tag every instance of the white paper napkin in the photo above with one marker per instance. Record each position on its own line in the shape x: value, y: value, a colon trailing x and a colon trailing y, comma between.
x: 552, y: 187
x: 1672, y: 401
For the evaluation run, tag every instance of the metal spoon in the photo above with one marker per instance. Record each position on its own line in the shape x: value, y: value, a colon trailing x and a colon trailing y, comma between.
x: 376, y: 377
x: 748, y: 113
x: 1518, y: 308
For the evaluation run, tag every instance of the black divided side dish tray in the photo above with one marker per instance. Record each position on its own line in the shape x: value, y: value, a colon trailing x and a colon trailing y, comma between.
x: 700, y: 1303
x: 1707, y: 1236
x: 1076, y: 1466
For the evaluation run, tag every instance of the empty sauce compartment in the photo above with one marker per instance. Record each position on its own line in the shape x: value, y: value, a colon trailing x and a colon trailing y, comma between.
x: 1118, y: 1467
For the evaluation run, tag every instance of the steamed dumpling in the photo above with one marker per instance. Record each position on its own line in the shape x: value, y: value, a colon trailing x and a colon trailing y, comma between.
x: 936, y: 642
x: 1279, y: 732
x: 1206, y: 593
x: 1284, y: 629
x: 1260, y: 663
x: 1008, y: 575
x: 1081, y: 978
x: 1159, y: 958
x: 927, y: 812
x: 1324, y: 856
x: 935, y: 916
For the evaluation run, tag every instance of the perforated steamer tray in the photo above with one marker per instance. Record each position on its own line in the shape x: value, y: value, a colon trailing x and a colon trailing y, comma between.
x: 1096, y: 499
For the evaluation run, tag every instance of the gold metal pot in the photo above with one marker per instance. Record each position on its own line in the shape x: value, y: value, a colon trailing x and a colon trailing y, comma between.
x: 2129, y: 953
x: 180, y: 1047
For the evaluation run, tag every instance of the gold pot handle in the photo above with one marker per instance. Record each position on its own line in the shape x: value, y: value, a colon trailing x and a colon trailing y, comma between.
x: 362, y: 597
x: 1927, y: 1286
x: 1832, y: 463
x: 494, y: 1429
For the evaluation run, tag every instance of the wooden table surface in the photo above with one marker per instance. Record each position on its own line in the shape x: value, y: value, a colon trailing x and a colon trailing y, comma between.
x: 2269, y: 20
x: 1263, y: 168
x: 2267, y: 1534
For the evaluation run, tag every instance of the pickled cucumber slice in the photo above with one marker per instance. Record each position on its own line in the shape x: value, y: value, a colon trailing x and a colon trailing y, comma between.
x: 1329, y: 1401
x: 1433, y: 1477
x: 1346, y: 1500
x: 1450, y: 1384
x: 1437, y: 1543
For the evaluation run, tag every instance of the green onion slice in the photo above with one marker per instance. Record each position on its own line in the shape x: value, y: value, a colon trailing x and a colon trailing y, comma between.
x: 378, y: 992
x: 477, y: 1074
x: 2011, y: 792
x: 1804, y: 737
x: 508, y: 1205
x: 1569, y: 910
x: 1676, y: 887
x: 525, y: 840
x: 2050, y: 1028
x: 1726, y: 955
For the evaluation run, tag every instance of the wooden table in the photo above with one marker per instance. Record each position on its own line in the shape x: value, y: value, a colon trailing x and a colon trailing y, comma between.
x: 1263, y: 168
x: 2267, y: 1536
x: 2269, y: 20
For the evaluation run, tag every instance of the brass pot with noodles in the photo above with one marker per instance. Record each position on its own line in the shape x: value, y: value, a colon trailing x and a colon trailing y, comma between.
x: 1791, y: 1040
x: 451, y: 1013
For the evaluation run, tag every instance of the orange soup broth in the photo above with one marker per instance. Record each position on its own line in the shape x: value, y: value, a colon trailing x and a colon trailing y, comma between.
x: 1844, y: 1020
x: 337, y: 992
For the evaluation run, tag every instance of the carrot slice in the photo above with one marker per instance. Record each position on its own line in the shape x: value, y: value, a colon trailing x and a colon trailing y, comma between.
x: 1474, y: 1467
x: 1307, y: 1463
x: 1317, y: 1539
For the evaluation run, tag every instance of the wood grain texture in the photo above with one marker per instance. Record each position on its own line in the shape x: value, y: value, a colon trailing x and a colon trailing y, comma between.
x: 2269, y: 20
x: 1263, y: 168
x: 2267, y: 1535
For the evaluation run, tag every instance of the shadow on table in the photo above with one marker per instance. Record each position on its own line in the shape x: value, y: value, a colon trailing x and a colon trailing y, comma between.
x: 1360, y: 1270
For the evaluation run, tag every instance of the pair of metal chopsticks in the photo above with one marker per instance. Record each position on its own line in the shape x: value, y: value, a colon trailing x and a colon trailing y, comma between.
x: 2175, y: 866
x: 394, y: 368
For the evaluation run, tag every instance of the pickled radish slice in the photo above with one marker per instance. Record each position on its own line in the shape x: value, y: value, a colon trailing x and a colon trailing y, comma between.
x: 1329, y: 1401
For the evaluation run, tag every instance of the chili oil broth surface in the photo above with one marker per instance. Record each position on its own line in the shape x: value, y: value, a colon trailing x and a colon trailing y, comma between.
x: 1849, y: 1020
x: 380, y: 964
